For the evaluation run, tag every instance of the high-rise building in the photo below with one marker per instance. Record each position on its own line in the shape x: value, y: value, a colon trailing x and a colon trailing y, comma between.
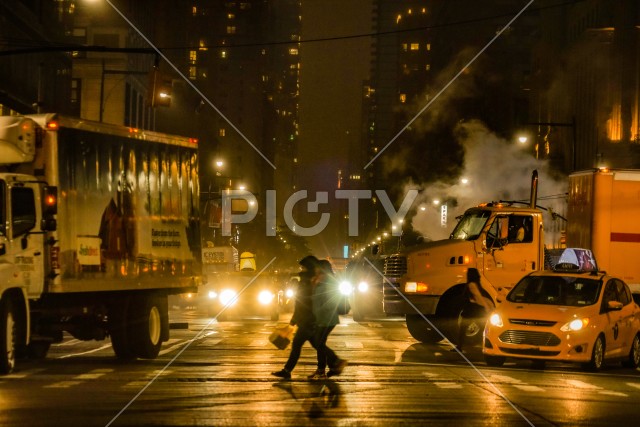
x: 586, y: 91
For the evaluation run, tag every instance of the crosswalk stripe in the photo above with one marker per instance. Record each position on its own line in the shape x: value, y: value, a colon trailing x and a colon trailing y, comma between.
x: 527, y: 387
x: 582, y: 385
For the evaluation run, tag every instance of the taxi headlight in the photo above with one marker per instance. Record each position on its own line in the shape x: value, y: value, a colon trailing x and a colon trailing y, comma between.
x: 265, y: 297
x: 228, y: 297
x: 363, y: 287
x: 289, y: 293
x: 212, y: 295
x: 345, y: 288
x: 575, y: 325
x: 496, y: 320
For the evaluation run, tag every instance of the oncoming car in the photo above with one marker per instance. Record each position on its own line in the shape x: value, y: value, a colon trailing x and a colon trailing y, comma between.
x: 567, y: 315
x: 242, y: 295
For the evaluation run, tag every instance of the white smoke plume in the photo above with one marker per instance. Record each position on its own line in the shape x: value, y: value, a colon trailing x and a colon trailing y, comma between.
x: 494, y: 169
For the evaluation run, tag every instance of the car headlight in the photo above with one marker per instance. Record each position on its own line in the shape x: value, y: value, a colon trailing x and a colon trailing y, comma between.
x: 345, y: 288
x: 212, y: 295
x: 265, y: 297
x: 575, y: 325
x: 228, y: 297
x: 289, y: 293
x: 363, y: 287
x: 496, y: 320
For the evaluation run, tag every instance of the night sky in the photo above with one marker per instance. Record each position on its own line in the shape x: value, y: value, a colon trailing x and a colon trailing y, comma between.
x: 332, y: 76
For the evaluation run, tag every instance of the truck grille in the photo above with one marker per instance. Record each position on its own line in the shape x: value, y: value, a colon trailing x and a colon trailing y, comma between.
x: 395, y: 266
x: 529, y: 338
x: 532, y: 322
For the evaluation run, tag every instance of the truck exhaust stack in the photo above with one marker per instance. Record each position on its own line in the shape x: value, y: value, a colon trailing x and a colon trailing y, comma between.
x: 533, y: 200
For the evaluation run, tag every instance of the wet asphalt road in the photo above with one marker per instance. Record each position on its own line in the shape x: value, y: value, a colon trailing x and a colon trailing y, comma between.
x: 218, y: 374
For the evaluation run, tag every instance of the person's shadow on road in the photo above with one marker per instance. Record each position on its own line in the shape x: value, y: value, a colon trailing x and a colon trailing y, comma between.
x: 319, y: 397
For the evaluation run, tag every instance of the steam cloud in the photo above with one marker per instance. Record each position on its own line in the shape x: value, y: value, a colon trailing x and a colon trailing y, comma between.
x: 495, y: 169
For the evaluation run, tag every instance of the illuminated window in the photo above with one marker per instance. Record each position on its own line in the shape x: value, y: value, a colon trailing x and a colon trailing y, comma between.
x: 203, y: 44
x: 231, y: 15
x: 428, y: 46
x: 424, y: 10
x: 415, y: 46
x: 427, y: 67
x: 223, y: 54
x: 231, y: 29
x: 398, y: 18
x: 192, y: 73
x: 222, y: 132
x: 293, y: 51
x: 404, y: 47
x: 403, y: 98
x: 193, y: 56
x: 409, y: 12
x: 194, y: 10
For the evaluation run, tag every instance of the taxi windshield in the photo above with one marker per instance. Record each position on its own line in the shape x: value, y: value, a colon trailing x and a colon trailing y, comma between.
x: 556, y: 290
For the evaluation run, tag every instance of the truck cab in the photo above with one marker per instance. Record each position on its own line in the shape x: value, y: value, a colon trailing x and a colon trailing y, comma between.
x: 503, y: 241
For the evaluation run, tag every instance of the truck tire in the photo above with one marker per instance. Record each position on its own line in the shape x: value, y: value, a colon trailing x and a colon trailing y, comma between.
x: 422, y: 330
x: 8, y: 336
x: 473, y: 330
x: 119, y: 329
x: 146, y: 326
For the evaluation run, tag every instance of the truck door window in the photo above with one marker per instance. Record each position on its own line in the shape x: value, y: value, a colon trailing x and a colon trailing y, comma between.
x: 520, y: 229
x: 497, y: 236
x: 23, y: 210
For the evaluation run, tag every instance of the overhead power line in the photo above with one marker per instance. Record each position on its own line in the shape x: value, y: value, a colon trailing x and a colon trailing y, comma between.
x: 52, y: 47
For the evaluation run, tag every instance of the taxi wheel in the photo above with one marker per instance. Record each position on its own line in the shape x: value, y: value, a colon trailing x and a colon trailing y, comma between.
x: 634, y: 354
x: 495, y: 361
x: 597, y: 355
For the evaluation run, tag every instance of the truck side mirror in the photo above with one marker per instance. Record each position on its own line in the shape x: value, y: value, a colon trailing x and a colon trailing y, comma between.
x: 49, y: 208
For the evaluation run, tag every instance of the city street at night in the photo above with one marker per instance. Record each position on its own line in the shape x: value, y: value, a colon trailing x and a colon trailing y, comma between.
x: 222, y: 377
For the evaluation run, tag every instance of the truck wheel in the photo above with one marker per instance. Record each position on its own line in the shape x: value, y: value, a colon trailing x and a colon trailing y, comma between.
x: 422, y: 330
x: 8, y: 336
x: 119, y: 329
x: 473, y: 329
x: 597, y: 356
x: 634, y: 354
x: 146, y: 326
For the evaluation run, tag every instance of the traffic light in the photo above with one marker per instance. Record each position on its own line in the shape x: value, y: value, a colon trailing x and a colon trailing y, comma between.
x: 160, y: 85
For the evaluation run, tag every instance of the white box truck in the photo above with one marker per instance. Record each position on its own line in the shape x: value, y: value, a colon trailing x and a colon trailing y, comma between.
x: 98, y: 225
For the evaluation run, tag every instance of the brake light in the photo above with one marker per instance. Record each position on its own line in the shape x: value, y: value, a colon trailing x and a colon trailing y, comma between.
x: 53, y: 125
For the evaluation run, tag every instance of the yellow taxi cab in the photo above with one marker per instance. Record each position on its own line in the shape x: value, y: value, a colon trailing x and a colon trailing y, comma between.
x: 573, y: 313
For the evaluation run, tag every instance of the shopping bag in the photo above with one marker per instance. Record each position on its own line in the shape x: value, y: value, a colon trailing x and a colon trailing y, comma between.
x: 282, y: 335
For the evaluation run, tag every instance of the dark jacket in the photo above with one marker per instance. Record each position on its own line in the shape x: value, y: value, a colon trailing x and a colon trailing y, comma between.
x: 325, y: 300
x: 302, y: 311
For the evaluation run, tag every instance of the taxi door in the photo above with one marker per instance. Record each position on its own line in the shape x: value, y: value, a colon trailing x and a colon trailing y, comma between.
x: 613, y: 324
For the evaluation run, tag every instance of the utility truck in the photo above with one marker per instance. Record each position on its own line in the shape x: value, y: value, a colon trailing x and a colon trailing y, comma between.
x: 98, y: 225
x: 504, y: 242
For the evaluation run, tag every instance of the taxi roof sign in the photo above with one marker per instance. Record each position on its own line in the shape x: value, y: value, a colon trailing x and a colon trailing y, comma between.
x: 572, y: 259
